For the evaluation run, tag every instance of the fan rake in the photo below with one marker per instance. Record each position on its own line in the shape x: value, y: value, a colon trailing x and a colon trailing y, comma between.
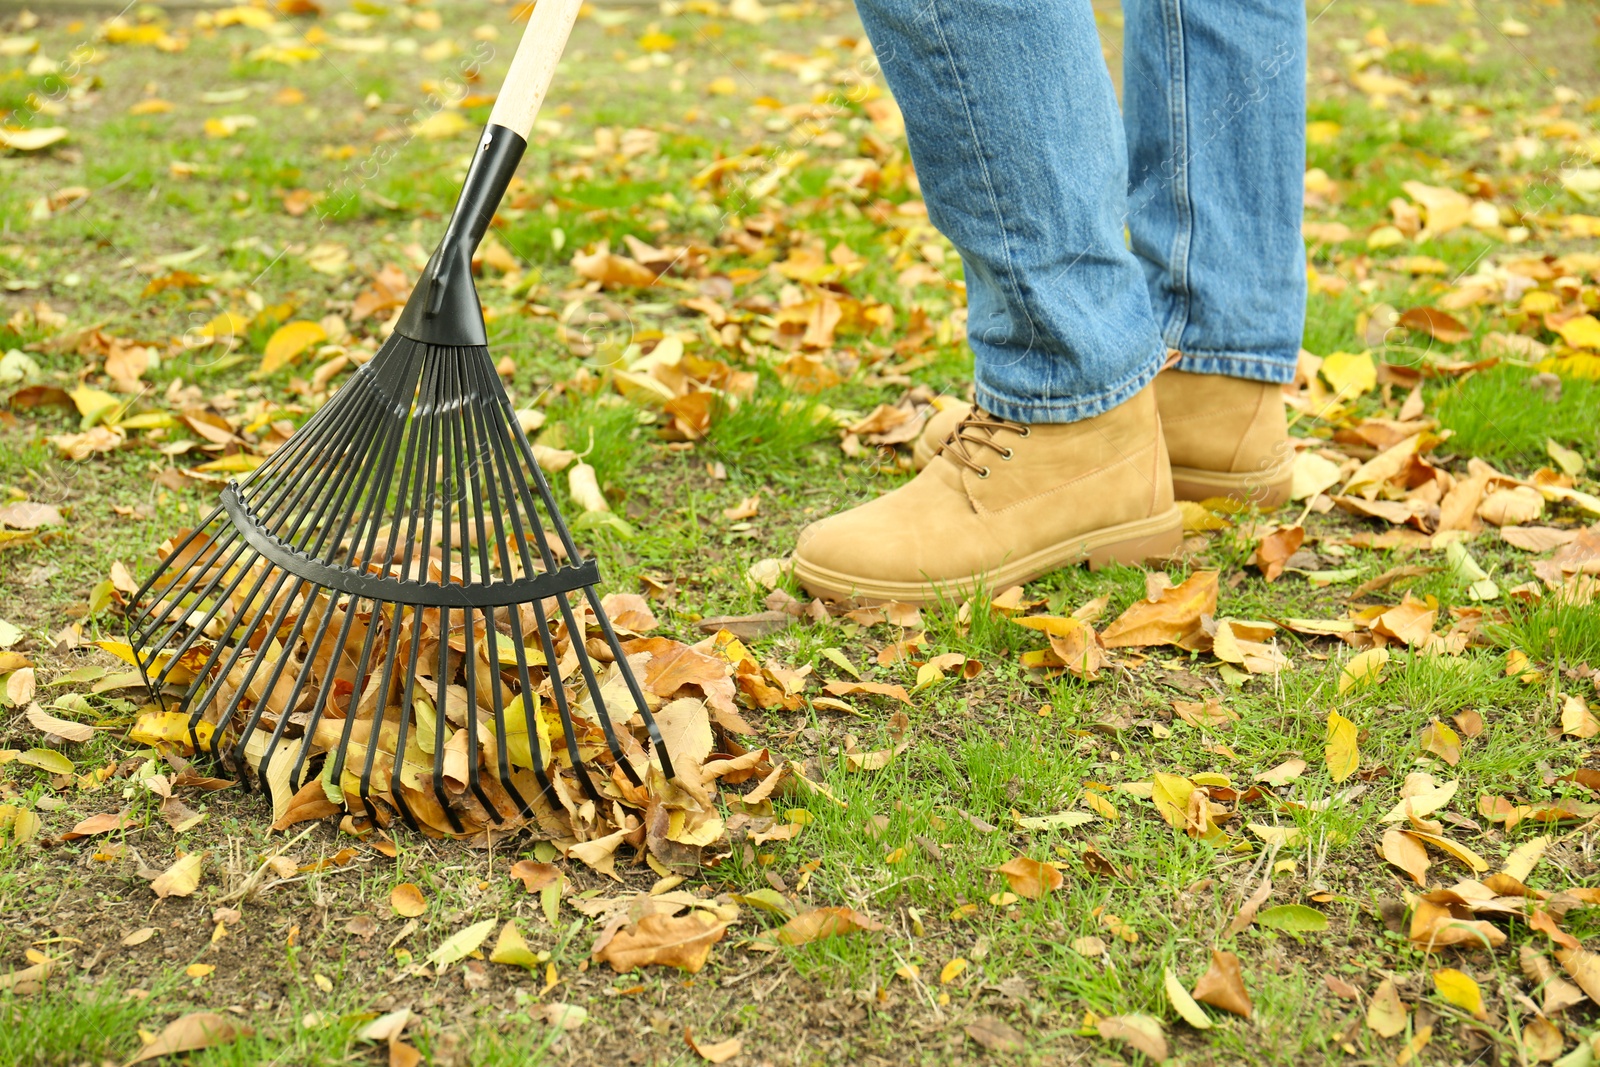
x: 392, y: 603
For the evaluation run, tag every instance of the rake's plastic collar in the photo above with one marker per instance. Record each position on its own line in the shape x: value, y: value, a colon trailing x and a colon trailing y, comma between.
x: 443, y: 309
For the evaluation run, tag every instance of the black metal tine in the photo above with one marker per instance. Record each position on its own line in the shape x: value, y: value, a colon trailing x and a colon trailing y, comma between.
x: 384, y: 686
x: 576, y: 635
x: 632, y: 683
x: 447, y: 491
x: 325, y: 690
x: 198, y: 705
x: 481, y: 412
x: 558, y: 692
x: 341, y: 749
x: 471, y: 498
x: 271, y: 686
x: 407, y: 702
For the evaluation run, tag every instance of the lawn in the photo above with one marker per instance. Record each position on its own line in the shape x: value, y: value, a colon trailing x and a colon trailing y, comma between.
x: 1341, y: 787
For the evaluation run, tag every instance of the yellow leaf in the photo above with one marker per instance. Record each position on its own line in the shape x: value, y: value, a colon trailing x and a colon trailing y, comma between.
x: 1363, y: 670
x: 31, y: 140
x: 1100, y: 806
x: 226, y: 328
x: 1581, y: 332
x: 94, y: 405
x: 1350, y: 374
x: 440, y: 125
x: 151, y: 106
x: 657, y: 42
x: 168, y: 728
x: 199, y: 970
x: 1342, y: 754
x: 1184, y: 1004
x: 952, y: 971
x: 1171, y: 796
x: 181, y: 879
x: 1459, y: 989
x: 288, y: 341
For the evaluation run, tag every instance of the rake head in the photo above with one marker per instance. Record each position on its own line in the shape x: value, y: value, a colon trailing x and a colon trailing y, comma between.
x: 392, y: 603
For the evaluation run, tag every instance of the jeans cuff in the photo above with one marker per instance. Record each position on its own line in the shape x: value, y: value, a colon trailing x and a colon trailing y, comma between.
x: 1028, y: 410
x: 1274, y: 367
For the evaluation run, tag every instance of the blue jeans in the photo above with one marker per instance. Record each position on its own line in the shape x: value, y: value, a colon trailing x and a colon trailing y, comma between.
x: 1028, y: 170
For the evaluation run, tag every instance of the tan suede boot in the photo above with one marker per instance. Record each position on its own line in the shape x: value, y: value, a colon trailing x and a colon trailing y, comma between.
x: 941, y: 424
x: 1003, y: 503
x: 1228, y: 437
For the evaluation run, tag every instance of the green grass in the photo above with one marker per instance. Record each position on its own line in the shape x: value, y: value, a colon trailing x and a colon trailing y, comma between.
x: 1496, y: 415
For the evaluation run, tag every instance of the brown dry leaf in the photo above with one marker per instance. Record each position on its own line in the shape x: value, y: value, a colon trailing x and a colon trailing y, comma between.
x: 1542, y: 1040
x: 181, y: 879
x: 1435, y: 323
x: 681, y: 941
x: 1410, y: 621
x: 1441, y: 741
x: 100, y: 824
x: 1537, y: 538
x: 1511, y: 507
x: 309, y: 803
x: 994, y: 1034
x: 192, y: 1032
x: 714, y: 1051
x: 820, y: 923
x: 1030, y: 878
x: 1584, y: 967
x: 1222, y: 986
x: 535, y: 876
x: 407, y: 900
x: 612, y: 271
x: 1469, y: 722
x: 1407, y: 853
x: 1170, y: 617
x: 1139, y: 1031
x: 1275, y: 549
x: 1386, y: 1014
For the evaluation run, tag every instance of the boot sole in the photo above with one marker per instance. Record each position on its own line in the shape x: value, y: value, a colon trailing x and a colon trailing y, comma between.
x: 1264, y: 489
x: 1155, y: 538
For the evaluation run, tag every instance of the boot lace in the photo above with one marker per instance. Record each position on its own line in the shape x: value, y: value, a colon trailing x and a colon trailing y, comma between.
x: 977, y: 432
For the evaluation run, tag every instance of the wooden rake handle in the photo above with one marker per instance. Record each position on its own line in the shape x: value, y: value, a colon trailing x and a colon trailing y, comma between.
x: 534, y: 65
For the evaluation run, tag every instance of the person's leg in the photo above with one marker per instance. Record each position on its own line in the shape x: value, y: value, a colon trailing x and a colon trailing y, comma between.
x: 1214, y: 108
x: 1013, y: 127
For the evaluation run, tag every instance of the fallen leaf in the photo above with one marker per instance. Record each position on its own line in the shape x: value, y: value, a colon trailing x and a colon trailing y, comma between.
x: 461, y: 944
x: 1407, y: 853
x: 1576, y: 718
x: 1525, y: 857
x: 1222, y: 986
x: 1365, y: 669
x: 1183, y: 1003
x: 682, y: 941
x: 1386, y: 1015
x: 535, y: 876
x: 288, y: 342
x: 1169, y: 618
x: 715, y: 1051
x: 994, y: 1034
x: 181, y: 879
x: 1458, y: 988
x: 1435, y: 323
x: 1341, y: 751
x: 511, y: 950
x: 1139, y: 1031
x: 406, y: 899
x: 192, y: 1032
x: 65, y: 729
x: 821, y: 923
x: 1441, y: 741
x: 1293, y: 918
x: 1273, y: 553
x: 1584, y: 967
x: 31, y: 140
x: 1030, y: 878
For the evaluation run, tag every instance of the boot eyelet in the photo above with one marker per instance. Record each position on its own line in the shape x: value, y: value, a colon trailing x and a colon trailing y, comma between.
x: 984, y: 473
x: 1027, y: 431
x: 1007, y: 454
